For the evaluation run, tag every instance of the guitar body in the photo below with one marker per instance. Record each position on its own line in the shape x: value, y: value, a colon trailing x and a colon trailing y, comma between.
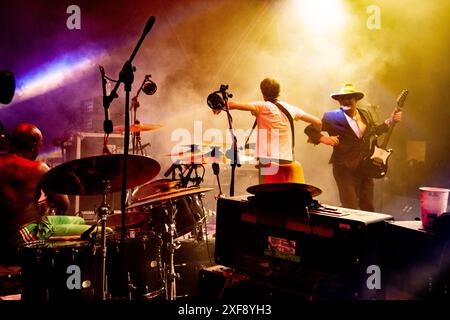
x: 376, y: 165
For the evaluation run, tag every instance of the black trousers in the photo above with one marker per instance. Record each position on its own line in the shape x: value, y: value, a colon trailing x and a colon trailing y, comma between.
x: 355, y: 190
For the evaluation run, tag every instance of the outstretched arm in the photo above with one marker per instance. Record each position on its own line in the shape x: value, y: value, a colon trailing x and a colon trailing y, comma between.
x: 316, y: 137
x: 314, y: 121
x: 239, y: 106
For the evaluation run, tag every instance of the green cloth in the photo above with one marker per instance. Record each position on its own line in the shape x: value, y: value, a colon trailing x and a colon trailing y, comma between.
x: 54, y: 226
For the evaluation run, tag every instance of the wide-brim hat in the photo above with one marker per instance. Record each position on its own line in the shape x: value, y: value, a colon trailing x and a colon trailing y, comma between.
x: 347, y: 90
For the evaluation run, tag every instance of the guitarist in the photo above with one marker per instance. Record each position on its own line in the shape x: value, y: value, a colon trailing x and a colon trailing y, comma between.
x: 350, y: 129
x: 276, y: 133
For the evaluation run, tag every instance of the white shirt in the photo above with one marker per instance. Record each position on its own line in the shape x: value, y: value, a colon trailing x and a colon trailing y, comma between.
x: 356, y: 124
x: 274, y: 130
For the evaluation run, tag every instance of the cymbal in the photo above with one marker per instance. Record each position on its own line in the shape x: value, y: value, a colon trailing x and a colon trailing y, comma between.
x: 131, y: 218
x: 168, y: 195
x: 274, y: 188
x: 153, y: 187
x: 206, y: 145
x: 139, y: 127
x: 196, y: 157
x: 86, y: 176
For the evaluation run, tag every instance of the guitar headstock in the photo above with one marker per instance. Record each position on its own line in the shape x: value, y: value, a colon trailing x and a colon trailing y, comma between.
x: 401, y: 99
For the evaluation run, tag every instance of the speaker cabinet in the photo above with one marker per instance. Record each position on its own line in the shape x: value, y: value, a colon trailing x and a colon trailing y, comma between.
x: 89, y: 144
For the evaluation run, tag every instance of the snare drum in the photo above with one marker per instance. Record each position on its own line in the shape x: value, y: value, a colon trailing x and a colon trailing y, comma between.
x: 58, y: 270
x: 142, y: 262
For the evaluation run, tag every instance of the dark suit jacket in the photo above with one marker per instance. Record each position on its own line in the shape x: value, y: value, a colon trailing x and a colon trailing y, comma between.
x: 350, y: 149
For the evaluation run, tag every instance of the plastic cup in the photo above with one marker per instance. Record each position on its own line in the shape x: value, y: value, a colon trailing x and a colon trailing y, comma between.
x: 433, y: 202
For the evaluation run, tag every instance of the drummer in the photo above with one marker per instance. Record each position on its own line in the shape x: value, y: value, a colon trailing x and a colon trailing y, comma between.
x: 23, y: 218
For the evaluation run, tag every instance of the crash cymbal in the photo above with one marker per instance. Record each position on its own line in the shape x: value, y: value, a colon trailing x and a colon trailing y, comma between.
x: 139, y: 127
x: 152, y: 187
x: 284, y: 187
x: 86, y: 176
x: 131, y: 218
x: 168, y: 195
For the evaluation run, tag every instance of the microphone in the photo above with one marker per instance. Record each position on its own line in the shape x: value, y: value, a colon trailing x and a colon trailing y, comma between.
x: 107, y: 124
x: 149, y: 87
x: 149, y: 24
x: 85, y: 235
x: 216, y: 168
x: 171, y: 168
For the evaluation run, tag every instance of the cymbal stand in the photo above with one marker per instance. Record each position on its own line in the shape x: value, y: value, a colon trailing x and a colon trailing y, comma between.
x: 103, y: 212
x: 137, y: 145
x: 170, y: 276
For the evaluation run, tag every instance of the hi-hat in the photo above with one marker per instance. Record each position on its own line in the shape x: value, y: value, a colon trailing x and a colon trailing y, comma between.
x: 89, y: 176
x: 139, y: 127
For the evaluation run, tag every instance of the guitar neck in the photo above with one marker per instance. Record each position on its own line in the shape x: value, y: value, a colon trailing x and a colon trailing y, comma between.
x: 400, y: 102
x: 388, y: 136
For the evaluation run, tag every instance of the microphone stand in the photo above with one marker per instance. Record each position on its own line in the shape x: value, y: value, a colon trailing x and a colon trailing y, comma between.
x: 235, y: 160
x: 126, y: 76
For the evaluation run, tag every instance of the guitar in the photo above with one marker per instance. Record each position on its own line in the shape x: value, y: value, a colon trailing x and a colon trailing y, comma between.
x: 375, y: 165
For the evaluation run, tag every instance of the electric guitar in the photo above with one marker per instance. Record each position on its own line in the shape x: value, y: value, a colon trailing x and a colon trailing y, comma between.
x: 375, y: 165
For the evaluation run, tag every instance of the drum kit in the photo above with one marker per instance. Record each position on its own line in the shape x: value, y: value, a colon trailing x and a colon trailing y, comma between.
x: 157, y: 213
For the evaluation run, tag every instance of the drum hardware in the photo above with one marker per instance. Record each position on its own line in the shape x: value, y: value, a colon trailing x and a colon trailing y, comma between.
x: 149, y: 88
x: 170, y: 275
x: 100, y: 175
x: 173, y: 213
x: 103, y: 212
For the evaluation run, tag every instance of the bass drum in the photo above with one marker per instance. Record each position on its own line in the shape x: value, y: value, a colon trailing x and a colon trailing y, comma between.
x: 142, y: 262
x: 58, y: 271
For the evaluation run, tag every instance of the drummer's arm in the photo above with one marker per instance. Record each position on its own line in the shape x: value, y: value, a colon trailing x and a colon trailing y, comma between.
x: 55, y: 200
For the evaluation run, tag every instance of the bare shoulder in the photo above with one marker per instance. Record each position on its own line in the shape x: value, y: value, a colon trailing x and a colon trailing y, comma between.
x: 41, y: 167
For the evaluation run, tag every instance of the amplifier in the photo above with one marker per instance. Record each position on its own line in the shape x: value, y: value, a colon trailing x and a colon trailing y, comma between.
x: 89, y: 144
x: 324, y: 252
x: 417, y: 262
x: 93, y: 114
x: 219, y: 283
